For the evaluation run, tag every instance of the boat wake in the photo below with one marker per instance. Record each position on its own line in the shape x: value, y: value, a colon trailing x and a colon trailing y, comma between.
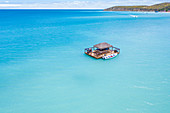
x: 143, y: 87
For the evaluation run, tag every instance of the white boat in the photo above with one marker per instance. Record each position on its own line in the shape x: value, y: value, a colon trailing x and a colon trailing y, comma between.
x: 134, y: 16
x: 110, y: 56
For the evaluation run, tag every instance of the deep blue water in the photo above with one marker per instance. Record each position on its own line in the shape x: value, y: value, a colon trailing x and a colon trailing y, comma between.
x: 43, y: 68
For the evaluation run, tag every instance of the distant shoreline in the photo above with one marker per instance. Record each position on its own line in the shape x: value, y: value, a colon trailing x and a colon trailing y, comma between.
x: 143, y: 11
x: 162, y: 7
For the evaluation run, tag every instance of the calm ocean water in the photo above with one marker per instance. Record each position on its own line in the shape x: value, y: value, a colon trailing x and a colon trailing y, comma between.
x: 43, y: 68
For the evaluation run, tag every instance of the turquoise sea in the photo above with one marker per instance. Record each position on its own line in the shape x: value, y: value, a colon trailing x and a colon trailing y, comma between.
x: 43, y: 68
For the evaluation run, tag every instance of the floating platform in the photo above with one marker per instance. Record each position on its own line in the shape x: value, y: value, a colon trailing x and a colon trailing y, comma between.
x: 102, y: 50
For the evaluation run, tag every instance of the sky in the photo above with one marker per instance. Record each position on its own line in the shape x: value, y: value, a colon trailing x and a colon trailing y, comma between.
x: 72, y: 4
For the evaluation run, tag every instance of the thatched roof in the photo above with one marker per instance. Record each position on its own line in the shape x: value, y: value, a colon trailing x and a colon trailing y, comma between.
x: 103, y: 45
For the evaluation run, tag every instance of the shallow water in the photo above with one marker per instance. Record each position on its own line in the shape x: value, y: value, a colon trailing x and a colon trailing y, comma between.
x: 43, y: 68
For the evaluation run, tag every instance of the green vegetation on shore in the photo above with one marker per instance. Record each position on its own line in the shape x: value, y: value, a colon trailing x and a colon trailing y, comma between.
x: 156, y: 7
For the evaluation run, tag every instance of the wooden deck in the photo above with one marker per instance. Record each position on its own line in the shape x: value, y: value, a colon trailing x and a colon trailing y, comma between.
x: 97, y: 55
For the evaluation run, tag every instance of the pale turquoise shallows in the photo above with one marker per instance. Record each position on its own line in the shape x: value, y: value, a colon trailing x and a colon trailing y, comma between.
x: 43, y: 68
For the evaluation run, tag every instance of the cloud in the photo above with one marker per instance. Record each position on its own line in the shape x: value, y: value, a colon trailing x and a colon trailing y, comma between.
x: 6, y: 1
x: 10, y: 5
x: 55, y: 5
x: 74, y: 4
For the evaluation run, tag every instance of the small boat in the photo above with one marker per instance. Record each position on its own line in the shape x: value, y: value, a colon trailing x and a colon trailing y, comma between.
x: 134, y: 16
x: 102, y: 50
x: 110, y: 56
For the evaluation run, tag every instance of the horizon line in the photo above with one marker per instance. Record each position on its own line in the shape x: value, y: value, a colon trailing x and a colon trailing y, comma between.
x: 52, y: 8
